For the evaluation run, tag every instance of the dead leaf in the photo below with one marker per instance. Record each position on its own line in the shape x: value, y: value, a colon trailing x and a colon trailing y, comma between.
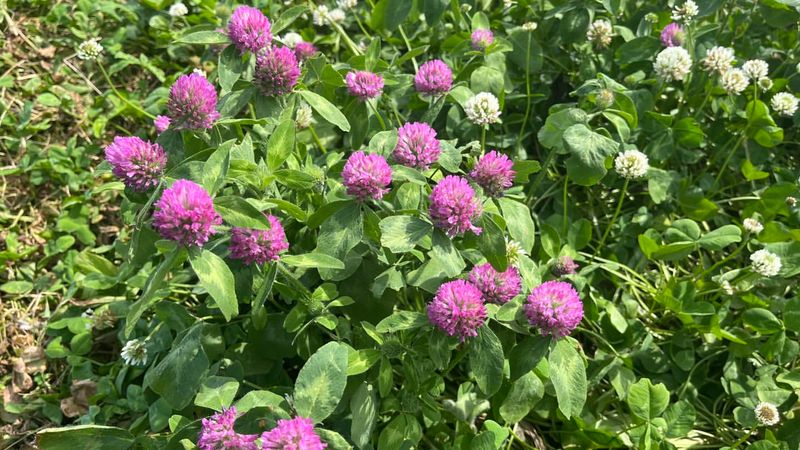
x: 35, y: 361
x: 78, y: 403
x: 20, y: 380
x: 47, y: 52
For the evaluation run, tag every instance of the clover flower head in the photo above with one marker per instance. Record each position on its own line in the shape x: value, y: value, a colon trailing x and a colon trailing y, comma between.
x: 259, y: 246
x: 494, y: 173
x: 686, y: 12
x: 249, y: 29
x: 90, y: 49
x: 417, y: 145
x: 784, y: 104
x: 756, y: 69
x: 217, y: 433
x: 161, y: 123
x: 481, y: 38
x: 605, y: 98
x: 292, y: 434
x: 346, y: 4
x: 178, y: 9
x: 320, y: 15
x: 718, y: 59
x: 291, y: 39
x: 766, y: 263
x: 752, y: 225
x: 192, y: 103
x: 497, y: 287
x: 303, y: 117
x: 134, y: 352
x: 304, y: 50
x: 600, y: 33
x: 364, y: 85
x: 138, y: 163
x: 673, y: 35
x: 433, y: 78
x: 791, y: 202
x: 673, y: 63
x: 367, y: 176
x: 565, y: 265
x: 483, y: 109
x: 337, y: 15
x: 767, y: 414
x: 277, y: 71
x: 765, y: 84
x: 631, y: 164
x: 514, y: 252
x: 555, y: 308
x: 185, y: 214
x: 454, y: 206
x: 734, y: 81
x: 530, y: 26
x: 458, y: 309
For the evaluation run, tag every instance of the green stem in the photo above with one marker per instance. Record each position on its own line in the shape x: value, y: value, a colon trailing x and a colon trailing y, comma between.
x: 615, y: 216
x: 564, y: 200
x: 117, y: 93
x: 722, y: 261
x: 483, y: 140
x: 377, y: 114
x: 316, y: 139
x: 408, y: 46
x: 527, y: 92
x: 540, y: 176
x: 725, y: 164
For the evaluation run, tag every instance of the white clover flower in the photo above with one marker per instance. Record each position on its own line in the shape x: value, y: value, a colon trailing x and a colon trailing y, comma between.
x: 90, y: 49
x: 514, y: 252
x: 756, y: 69
x: 600, y: 33
x: 605, y: 98
x: 685, y: 12
x: 791, y: 202
x: 508, y: 3
x: 734, y: 81
x: 673, y: 63
x: 337, y: 15
x: 291, y: 39
x: 718, y: 59
x: 766, y: 263
x: 303, y: 117
x: 483, y: 109
x: 727, y: 288
x: 178, y: 9
x: 200, y: 72
x: 88, y: 314
x: 347, y: 4
x: 134, y: 352
x: 530, y: 26
x: 765, y: 84
x: 320, y: 15
x: 784, y: 103
x: 767, y: 414
x: 631, y: 164
x: 752, y: 225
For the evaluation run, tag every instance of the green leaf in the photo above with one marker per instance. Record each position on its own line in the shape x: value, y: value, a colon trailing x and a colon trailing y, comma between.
x: 208, y: 37
x: 359, y: 361
x: 762, y: 320
x: 552, y: 133
x: 148, y: 297
x: 321, y: 382
x: 568, y: 375
x: 524, y: 168
x: 519, y: 222
x: 364, y: 407
x: 215, y: 169
x: 313, y: 260
x: 231, y: 66
x: 286, y: 18
x: 217, y: 393
x: 522, y: 397
x: 646, y: 400
x: 89, y: 437
x: 492, y: 244
x: 589, y: 150
x: 721, y: 237
x: 238, y: 212
x: 326, y: 109
x: 402, y: 233
x: 261, y: 399
x: 216, y: 277
x: 639, y: 49
x: 526, y: 52
x: 751, y: 173
x: 177, y: 377
x: 402, y: 320
x: 341, y: 232
x: 791, y: 314
x: 396, y: 13
x: 16, y: 287
x: 403, y: 428
x: 281, y: 144
x: 680, y: 419
x: 445, y: 254
x: 486, y: 360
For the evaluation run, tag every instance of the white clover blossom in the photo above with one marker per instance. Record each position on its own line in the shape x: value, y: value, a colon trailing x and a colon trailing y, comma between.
x: 765, y: 84
x: 346, y: 4
x: 631, y: 164
x: 600, y: 33
x: 291, y: 39
x: 134, y: 352
x: 718, y: 59
x: 784, y: 103
x: 685, y: 12
x: 303, y: 117
x: 178, y: 9
x: 734, y: 81
x: 90, y: 49
x: 605, y: 98
x: 200, y: 72
x: 337, y: 15
x: 514, y: 251
x: 752, y: 225
x: 727, y: 288
x: 530, y: 26
x: 765, y: 263
x: 791, y: 202
x: 756, y: 69
x: 673, y: 63
x: 767, y: 414
x: 320, y: 15
x: 483, y: 109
